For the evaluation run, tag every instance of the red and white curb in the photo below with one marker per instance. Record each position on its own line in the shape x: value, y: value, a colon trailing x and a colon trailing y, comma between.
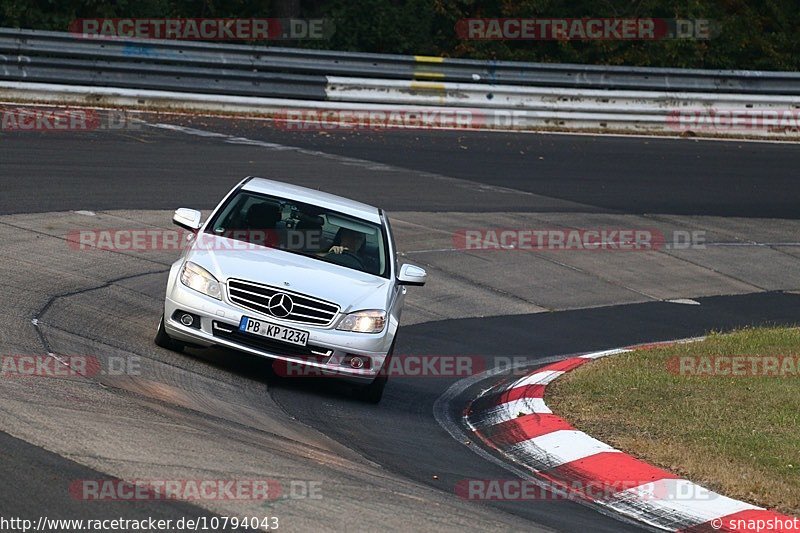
x: 516, y: 422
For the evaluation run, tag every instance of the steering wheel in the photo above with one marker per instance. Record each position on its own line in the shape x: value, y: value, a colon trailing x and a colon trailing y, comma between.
x: 348, y: 259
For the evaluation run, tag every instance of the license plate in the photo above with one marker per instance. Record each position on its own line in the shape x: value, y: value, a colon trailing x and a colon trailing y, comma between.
x: 273, y: 331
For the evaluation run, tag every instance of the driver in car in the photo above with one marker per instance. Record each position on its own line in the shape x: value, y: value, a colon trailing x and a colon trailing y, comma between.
x: 349, y: 241
x: 348, y: 250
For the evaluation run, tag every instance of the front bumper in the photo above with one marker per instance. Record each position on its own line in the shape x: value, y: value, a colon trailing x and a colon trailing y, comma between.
x: 216, y: 315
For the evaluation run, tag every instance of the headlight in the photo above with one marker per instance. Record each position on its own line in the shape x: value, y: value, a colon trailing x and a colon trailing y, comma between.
x: 364, y: 322
x: 199, y: 279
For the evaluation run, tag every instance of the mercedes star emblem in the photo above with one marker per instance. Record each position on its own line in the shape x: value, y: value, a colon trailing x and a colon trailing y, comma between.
x: 280, y: 305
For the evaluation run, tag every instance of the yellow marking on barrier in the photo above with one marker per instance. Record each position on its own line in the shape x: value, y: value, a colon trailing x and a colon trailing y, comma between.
x: 429, y: 62
x: 428, y: 74
x: 428, y: 86
x: 428, y: 59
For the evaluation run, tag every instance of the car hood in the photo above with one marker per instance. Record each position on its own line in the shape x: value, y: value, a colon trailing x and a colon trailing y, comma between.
x: 350, y: 289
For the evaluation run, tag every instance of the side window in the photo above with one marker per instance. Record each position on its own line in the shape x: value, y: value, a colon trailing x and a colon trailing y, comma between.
x: 232, y: 216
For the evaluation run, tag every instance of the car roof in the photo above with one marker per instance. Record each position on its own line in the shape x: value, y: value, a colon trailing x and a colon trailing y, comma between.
x: 313, y: 197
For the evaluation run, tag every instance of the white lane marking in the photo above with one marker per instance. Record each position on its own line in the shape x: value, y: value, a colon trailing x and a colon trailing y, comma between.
x: 684, y: 301
x: 253, y: 142
x: 434, y: 250
x: 188, y: 131
x: 86, y: 213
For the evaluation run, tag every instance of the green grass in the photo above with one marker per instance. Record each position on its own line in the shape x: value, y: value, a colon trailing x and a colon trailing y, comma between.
x: 737, y: 435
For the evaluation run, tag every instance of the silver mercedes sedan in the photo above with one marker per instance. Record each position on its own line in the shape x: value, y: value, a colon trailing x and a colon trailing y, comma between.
x: 303, y: 277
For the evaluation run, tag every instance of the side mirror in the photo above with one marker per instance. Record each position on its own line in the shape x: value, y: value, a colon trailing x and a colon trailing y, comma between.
x: 412, y: 275
x: 187, y: 218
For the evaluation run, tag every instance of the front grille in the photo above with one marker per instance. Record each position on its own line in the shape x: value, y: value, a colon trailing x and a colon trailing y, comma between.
x: 307, y: 353
x: 304, y: 309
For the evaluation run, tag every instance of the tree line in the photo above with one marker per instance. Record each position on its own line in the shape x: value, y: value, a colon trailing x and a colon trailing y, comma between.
x: 749, y: 34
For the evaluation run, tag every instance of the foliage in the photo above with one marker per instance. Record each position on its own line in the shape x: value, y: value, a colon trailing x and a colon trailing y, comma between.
x: 753, y: 34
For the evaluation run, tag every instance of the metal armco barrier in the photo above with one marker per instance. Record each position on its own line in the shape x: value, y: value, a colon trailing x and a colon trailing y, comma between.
x: 254, y: 79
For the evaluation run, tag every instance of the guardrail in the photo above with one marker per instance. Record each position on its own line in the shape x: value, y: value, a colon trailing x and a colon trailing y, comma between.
x: 256, y: 79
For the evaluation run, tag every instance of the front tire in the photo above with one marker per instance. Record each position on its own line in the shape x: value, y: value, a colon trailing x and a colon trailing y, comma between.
x: 373, y: 392
x: 165, y: 341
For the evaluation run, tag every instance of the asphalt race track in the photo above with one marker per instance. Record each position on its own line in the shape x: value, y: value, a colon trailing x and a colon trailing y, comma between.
x: 622, y: 174
x: 213, y: 409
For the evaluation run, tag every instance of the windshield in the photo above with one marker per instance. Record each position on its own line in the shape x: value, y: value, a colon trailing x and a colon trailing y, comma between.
x: 304, y: 229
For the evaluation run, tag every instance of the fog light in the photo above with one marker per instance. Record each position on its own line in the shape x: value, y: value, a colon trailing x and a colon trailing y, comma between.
x: 356, y: 362
x: 190, y: 320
